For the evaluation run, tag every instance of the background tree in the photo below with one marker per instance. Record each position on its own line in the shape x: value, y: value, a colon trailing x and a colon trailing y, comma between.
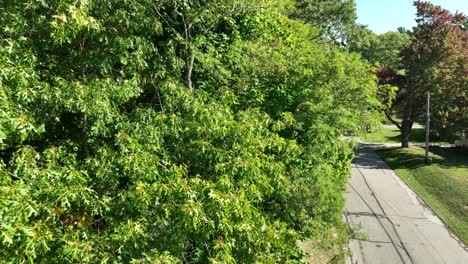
x: 336, y: 19
x: 435, y: 62
x: 384, y: 52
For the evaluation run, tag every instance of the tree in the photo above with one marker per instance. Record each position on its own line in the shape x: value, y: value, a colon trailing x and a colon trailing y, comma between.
x: 383, y: 50
x: 335, y: 18
x: 435, y: 62
x: 384, y: 53
x: 137, y: 131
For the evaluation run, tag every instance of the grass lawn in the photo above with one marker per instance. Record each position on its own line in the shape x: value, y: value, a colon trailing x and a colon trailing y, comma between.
x: 442, y: 185
x: 392, y: 135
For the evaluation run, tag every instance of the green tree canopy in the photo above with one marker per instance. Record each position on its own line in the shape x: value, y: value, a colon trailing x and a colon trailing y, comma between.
x: 137, y: 131
x: 335, y: 18
x: 383, y: 50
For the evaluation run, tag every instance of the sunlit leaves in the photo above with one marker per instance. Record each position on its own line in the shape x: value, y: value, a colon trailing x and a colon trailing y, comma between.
x: 107, y: 157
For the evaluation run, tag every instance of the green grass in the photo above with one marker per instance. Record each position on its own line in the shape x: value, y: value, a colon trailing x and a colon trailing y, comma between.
x: 388, y: 122
x: 392, y: 135
x: 442, y: 185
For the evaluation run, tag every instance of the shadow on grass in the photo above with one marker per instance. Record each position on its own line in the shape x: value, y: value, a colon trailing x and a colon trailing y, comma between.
x: 418, y: 135
x: 413, y: 158
x: 398, y: 158
x: 452, y: 157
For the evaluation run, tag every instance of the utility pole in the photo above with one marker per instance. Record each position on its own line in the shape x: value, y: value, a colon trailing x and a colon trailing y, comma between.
x: 428, y: 119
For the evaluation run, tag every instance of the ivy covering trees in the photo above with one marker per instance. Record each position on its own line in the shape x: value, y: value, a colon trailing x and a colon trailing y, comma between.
x: 174, y: 131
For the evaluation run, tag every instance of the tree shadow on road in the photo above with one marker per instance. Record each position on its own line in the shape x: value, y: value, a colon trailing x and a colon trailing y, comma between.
x: 368, y: 160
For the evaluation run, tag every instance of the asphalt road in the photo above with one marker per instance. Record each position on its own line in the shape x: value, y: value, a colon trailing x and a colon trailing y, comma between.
x: 392, y: 224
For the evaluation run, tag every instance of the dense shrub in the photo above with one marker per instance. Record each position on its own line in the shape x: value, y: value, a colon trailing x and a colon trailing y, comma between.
x: 134, y: 131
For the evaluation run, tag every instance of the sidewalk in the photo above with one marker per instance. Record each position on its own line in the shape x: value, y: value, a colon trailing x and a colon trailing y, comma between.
x: 397, y: 226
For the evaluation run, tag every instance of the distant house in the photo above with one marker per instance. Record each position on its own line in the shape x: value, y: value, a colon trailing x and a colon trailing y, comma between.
x: 462, y: 140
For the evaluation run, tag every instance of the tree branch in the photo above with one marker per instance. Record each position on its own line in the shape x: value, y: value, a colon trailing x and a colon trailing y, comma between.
x: 392, y: 120
x: 189, y: 71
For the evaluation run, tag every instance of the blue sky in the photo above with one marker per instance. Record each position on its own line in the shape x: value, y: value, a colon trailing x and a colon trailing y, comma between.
x: 387, y: 15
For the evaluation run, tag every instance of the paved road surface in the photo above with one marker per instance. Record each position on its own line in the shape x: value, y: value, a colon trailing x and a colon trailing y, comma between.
x: 398, y: 227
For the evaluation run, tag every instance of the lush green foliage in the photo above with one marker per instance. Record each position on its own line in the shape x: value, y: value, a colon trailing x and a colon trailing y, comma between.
x: 382, y: 50
x: 336, y: 19
x: 149, y: 132
x: 384, y: 53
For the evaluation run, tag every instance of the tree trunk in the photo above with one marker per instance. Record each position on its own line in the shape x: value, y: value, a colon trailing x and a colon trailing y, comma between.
x: 190, y: 62
x: 405, y: 130
x: 189, y: 53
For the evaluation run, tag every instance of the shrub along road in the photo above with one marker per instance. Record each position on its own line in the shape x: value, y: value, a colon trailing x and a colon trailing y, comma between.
x: 395, y: 225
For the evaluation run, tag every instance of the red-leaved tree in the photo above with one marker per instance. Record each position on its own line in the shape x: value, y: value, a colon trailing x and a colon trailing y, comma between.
x: 436, y: 62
